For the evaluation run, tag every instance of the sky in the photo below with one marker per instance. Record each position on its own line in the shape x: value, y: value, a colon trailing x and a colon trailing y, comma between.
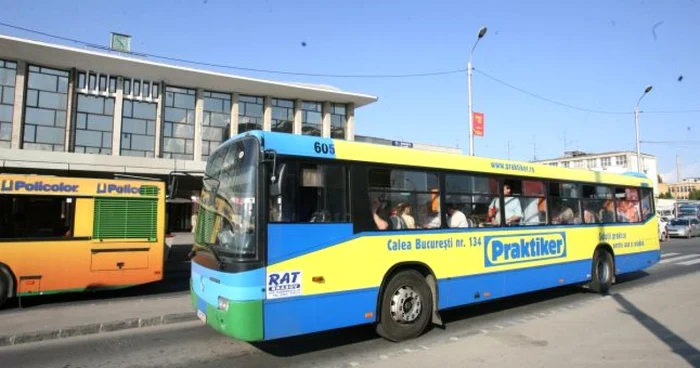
x: 596, y: 55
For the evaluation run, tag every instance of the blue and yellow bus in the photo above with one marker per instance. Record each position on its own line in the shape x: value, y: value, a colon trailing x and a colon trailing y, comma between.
x: 300, y: 234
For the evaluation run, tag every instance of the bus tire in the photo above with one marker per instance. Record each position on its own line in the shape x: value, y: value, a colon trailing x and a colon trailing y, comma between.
x: 603, y: 272
x: 4, y: 288
x: 406, y: 309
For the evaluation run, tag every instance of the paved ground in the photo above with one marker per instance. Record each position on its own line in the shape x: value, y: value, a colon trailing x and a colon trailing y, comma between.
x: 561, y: 317
x: 646, y: 327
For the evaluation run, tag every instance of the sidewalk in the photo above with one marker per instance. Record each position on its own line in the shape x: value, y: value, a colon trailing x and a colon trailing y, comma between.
x: 56, y: 321
x: 649, y: 326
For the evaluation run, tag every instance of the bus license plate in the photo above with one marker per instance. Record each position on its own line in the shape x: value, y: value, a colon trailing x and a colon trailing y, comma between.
x: 202, y: 316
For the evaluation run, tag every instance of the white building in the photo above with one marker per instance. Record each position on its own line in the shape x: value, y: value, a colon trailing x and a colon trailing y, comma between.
x: 617, y: 162
x: 81, y: 112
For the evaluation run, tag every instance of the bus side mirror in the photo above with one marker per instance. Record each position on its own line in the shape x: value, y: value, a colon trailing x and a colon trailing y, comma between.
x: 276, y: 181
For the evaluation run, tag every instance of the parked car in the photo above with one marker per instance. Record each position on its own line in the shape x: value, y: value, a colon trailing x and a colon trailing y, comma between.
x: 687, y: 227
x: 663, y: 230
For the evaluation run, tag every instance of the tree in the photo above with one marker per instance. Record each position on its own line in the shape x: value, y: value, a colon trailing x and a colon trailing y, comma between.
x: 666, y: 195
x: 694, y: 195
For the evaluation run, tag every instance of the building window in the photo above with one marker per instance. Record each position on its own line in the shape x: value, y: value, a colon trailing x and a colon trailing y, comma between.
x: 250, y: 113
x: 178, y: 124
x: 404, y: 199
x: 621, y: 160
x: 217, y: 120
x: 338, y: 121
x: 94, y: 125
x: 282, y: 115
x: 605, y: 162
x: 312, y: 119
x: 579, y: 164
x: 138, y: 129
x: 8, y: 73
x: 565, y: 164
x: 45, y: 109
x: 591, y: 163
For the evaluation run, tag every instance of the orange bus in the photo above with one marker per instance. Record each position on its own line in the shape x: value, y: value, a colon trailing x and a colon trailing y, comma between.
x: 64, y: 234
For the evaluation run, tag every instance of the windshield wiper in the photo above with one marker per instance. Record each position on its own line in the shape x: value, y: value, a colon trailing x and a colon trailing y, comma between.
x: 219, y: 262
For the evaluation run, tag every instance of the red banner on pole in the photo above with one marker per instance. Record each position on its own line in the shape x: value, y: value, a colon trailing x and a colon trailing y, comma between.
x: 478, y: 128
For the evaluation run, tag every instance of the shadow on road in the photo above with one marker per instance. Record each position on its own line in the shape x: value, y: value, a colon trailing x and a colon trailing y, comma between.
x: 176, y: 275
x: 677, y: 344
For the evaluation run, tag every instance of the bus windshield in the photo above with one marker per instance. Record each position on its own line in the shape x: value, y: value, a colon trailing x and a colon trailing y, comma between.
x: 226, y: 220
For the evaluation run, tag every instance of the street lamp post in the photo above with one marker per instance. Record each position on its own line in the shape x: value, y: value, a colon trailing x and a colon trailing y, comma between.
x: 636, y: 127
x: 481, y: 34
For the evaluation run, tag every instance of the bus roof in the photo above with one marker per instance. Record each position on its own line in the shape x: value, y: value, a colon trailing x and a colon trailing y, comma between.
x: 18, y: 184
x: 317, y: 147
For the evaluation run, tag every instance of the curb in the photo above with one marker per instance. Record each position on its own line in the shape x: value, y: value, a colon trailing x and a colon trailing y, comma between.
x: 126, y: 324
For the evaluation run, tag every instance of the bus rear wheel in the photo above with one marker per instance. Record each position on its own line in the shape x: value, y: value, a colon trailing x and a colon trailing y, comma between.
x: 4, y: 288
x: 602, y: 272
x: 406, y: 307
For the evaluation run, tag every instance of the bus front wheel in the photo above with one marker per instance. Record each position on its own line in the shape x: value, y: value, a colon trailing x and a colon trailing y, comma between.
x: 406, y: 309
x: 602, y: 272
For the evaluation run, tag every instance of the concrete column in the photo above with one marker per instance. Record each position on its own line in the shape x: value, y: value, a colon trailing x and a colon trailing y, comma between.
x: 326, y: 122
x: 71, y: 111
x: 117, y: 121
x: 298, y: 117
x: 267, y: 114
x: 350, y: 124
x: 198, y: 121
x: 235, y: 110
x: 160, y: 111
x: 18, y: 112
x: 326, y: 127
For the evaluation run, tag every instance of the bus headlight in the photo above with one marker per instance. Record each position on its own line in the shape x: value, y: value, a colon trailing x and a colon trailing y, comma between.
x: 223, y: 304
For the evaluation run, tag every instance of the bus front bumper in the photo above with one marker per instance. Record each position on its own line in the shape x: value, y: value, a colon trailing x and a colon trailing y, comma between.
x: 242, y: 320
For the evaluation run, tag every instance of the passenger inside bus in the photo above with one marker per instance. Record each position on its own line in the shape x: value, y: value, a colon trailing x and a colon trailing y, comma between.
x: 456, y: 218
x: 607, y: 213
x: 513, y: 210
x: 432, y: 214
x: 404, y: 210
x: 563, y: 214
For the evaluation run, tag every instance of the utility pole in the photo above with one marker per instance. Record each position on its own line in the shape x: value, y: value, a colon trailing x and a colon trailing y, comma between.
x: 678, y: 169
x: 508, y: 148
x: 534, y: 148
x: 470, y: 68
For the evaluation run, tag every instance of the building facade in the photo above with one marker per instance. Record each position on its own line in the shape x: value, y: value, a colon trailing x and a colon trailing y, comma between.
x: 616, y: 162
x: 681, y: 190
x: 78, y: 112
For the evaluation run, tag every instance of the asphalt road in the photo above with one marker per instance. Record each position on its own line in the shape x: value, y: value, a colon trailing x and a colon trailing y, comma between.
x: 194, y: 345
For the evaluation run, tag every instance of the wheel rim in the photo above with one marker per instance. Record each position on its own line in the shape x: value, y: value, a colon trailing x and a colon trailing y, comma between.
x: 603, y: 271
x: 406, y: 305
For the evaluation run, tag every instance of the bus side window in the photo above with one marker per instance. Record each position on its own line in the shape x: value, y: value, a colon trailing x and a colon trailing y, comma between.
x: 311, y: 193
x: 32, y: 218
x: 404, y: 200
x: 647, y: 204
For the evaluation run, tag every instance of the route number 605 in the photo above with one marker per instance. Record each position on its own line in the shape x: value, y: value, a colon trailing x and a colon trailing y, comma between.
x: 324, y: 148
